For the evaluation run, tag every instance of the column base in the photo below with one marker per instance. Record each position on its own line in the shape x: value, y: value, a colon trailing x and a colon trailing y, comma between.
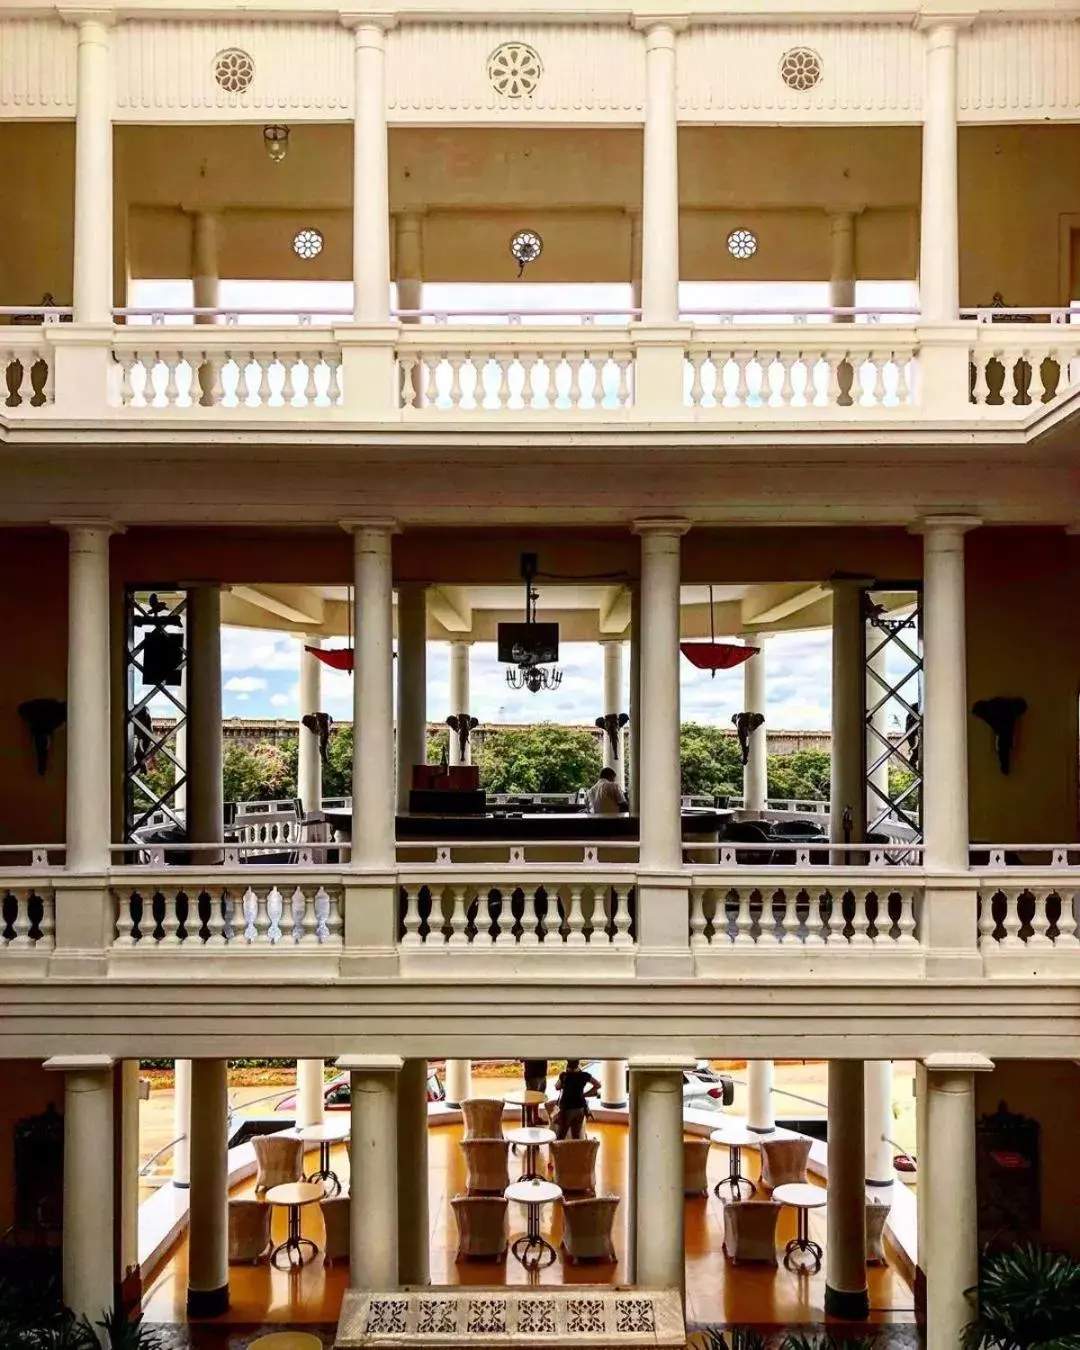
x: 851, y: 1304
x: 762, y: 1129
x: 208, y: 1302
x: 613, y: 1106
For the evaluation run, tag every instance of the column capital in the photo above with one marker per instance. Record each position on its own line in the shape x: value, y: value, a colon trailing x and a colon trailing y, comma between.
x: 83, y: 14
x: 945, y: 525
x: 73, y: 523
x: 371, y: 524
x: 369, y: 1063
x: 944, y: 27
x: 364, y: 27
x: 665, y: 526
x: 661, y: 29
x: 957, y: 1061
x: 646, y: 1063
x: 79, y: 1064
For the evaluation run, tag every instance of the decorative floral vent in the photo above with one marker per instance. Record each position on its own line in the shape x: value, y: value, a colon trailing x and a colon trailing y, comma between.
x: 742, y: 244
x: 801, y: 68
x: 514, y: 70
x: 307, y: 244
x: 234, y: 70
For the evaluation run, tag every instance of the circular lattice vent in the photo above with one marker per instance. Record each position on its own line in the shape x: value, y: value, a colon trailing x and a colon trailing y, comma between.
x: 234, y: 70
x: 514, y: 70
x: 801, y: 68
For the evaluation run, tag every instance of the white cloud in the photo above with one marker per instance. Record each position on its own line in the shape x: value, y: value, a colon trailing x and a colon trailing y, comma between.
x: 280, y: 700
x: 245, y: 684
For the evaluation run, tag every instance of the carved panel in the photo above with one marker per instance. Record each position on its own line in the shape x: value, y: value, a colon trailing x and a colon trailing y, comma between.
x: 1019, y: 71
x: 37, y: 69
x: 587, y: 73
x: 868, y: 73
x: 167, y: 70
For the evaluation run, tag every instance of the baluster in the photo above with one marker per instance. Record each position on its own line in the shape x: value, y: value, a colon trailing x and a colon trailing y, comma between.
x: 575, y: 920
x: 407, y: 371
x: 430, y: 381
x: 767, y: 934
x: 622, y: 393
x: 456, y: 363
x: 489, y: 909
x: 860, y: 920
x: 1039, y: 922
x: 743, y: 920
x: 170, y: 923
x: 47, y: 925
x: 327, y: 912
x: 1066, y: 925
x: 215, y: 923
x: 20, y: 924
x: 264, y: 366
x: 903, y: 384
x: 275, y: 908
x: 981, y: 389
x: 214, y: 390
x: 172, y: 389
x: 411, y: 936
x: 987, y: 925
x: 697, y: 388
x: 249, y: 909
x: 26, y: 382
x: 288, y: 388
x: 877, y: 391
x: 1008, y: 384
x: 1012, y: 923
x: 1036, y: 387
x: 298, y: 905
x: 817, y: 924
x: 698, y: 922
x: 127, y: 363
x: 742, y: 388
x: 531, y: 927
x: 906, y: 921
x: 125, y: 926
x: 834, y: 389
x: 787, y: 387
x: 573, y: 388
x: 335, y: 380
x: 459, y: 919
x: 620, y: 915
x: 502, y: 391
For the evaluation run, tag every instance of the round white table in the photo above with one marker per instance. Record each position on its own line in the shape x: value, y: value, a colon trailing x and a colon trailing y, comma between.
x: 294, y: 1195
x: 802, y: 1197
x: 526, y: 1099
x: 532, y: 1137
x: 735, y: 1138
x: 532, y: 1249
x: 325, y: 1135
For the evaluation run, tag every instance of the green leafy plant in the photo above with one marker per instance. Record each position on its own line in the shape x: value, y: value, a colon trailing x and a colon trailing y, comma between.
x: 1027, y: 1298
x: 127, y: 1333
x: 798, y: 1340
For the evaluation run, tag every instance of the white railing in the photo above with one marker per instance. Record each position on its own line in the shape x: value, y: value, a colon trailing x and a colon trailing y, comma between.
x: 549, y: 910
x: 27, y: 918
x: 172, y: 913
x: 828, y: 368
x: 843, y: 909
x: 1022, y: 919
x: 208, y: 372
x: 1015, y: 369
x: 27, y: 370
x: 524, y: 371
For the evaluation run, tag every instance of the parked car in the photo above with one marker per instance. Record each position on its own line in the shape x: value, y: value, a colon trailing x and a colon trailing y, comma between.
x: 703, y: 1086
x: 337, y: 1094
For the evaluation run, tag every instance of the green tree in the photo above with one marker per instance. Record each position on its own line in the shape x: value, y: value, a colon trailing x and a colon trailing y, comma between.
x: 803, y: 774
x: 539, y: 759
x: 710, y: 760
x: 263, y: 772
x: 337, y: 771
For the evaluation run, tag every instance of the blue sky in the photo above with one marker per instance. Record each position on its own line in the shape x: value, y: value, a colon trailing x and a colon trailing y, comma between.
x: 261, y: 672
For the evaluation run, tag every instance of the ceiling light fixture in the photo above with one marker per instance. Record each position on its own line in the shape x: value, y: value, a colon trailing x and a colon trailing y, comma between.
x: 276, y: 140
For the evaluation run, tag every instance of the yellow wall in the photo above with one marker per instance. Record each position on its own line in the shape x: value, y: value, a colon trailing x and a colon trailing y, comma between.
x: 28, y: 1090
x: 1047, y: 1091
x: 37, y: 209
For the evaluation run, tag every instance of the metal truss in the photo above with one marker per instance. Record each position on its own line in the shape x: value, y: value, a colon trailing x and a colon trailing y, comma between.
x: 894, y: 637
x: 148, y: 614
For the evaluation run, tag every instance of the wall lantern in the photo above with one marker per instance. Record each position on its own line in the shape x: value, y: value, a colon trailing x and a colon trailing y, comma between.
x: 276, y: 141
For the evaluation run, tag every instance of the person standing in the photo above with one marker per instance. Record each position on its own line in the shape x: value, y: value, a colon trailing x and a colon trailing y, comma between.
x: 536, y: 1076
x: 574, y: 1087
x: 605, y: 797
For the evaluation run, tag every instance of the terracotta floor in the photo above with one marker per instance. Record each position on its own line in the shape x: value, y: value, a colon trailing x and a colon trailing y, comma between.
x: 716, y: 1291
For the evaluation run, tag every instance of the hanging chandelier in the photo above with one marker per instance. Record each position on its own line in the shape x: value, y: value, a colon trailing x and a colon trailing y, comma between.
x: 530, y: 649
x: 534, y: 678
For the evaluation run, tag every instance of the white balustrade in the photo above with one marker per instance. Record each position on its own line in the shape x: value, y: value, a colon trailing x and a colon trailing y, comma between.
x: 27, y: 919
x: 1016, y: 369
x: 26, y: 372
x: 210, y: 373
x: 457, y: 371
x: 852, y: 370
x: 164, y: 914
x: 1025, y: 919
x: 504, y: 914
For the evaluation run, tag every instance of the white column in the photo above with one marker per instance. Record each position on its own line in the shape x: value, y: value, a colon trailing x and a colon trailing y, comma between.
x: 845, y: 1246
x: 945, y: 711
x: 373, y: 844
x: 411, y: 687
x: 205, y: 813
x: 371, y: 199
x: 613, y: 693
x: 756, y: 769
x: 180, y: 751
x: 842, y: 260
x: 92, y: 292
x: 878, y: 1076
x: 613, y: 1082
x: 128, y: 1159
x: 414, y: 1235
x: 657, y: 1235
x: 460, y: 653
x: 373, y: 1163
x: 88, y: 1276
x: 660, y: 780
x: 205, y: 267
x: 88, y: 763
x: 876, y: 722
x: 847, y: 790
x: 310, y: 1102
x: 208, y: 1225
x: 181, y: 1126
x: 634, y: 777
x: 951, y: 1261
x: 660, y: 186
x: 939, y: 245
x: 635, y: 259
x: 458, y: 1081
x: 309, y: 768
x: 759, y: 1107
x: 408, y: 262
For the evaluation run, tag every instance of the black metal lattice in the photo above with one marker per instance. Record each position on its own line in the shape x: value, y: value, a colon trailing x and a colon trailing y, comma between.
x: 894, y: 629
x: 150, y: 612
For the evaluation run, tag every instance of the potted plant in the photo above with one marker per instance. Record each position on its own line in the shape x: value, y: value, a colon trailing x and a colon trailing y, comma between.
x: 1027, y: 1298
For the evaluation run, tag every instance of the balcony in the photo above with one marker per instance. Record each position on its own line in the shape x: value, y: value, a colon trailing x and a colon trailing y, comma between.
x: 725, y: 371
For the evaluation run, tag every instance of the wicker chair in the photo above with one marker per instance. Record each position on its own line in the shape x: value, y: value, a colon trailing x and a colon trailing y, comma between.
x: 249, y: 1230
x: 336, y: 1213
x: 486, y: 1165
x: 574, y: 1162
x: 280, y: 1160
x: 750, y: 1230
x: 482, y: 1226
x: 483, y: 1118
x: 695, y: 1166
x: 783, y: 1161
x: 876, y: 1214
x: 587, y: 1226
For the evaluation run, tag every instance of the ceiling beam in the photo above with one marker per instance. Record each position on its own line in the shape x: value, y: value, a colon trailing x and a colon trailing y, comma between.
x: 450, y: 606
x: 772, y: 604
x: 614, y: 615
x: 296, y: 604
